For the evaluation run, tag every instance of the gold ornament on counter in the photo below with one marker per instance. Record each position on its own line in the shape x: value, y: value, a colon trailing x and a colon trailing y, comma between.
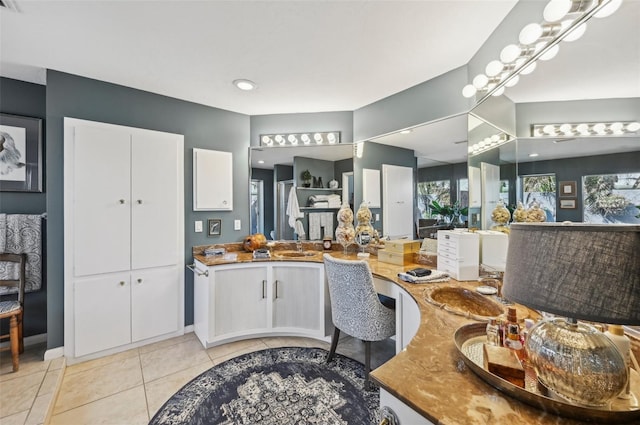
x: 535, y: 214
x: 500, y: 216
x: 520, y: 214
x: 345, y: 233
x: 364, y: 230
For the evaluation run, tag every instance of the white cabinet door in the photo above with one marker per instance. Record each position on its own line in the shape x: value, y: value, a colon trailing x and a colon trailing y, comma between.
x: 102, y: 313
x: 154, y: 310
x: 297, y: 295
x: 101, y: 197
x: 212, y: 180
x: 154, y: 197
x: 240, y: 299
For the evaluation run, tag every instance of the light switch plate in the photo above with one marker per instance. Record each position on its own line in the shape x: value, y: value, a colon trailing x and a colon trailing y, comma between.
x: 236, y: 225
x: 198, y: 226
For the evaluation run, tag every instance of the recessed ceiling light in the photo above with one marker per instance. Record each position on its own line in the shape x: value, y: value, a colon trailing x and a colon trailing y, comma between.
x: 405, y: 132
x: 261, y: 162
x: 245, y: 85
x: 533, y: 155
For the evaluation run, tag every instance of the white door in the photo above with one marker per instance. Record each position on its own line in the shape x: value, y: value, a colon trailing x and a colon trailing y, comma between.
x: 101, y: 200
x: 102, y: 313
x: 240, y: 300
x: 154, y: 310
x: 296, y: 295
x: 490, y: 191
x: 154, y: 198
x: 397, y: 201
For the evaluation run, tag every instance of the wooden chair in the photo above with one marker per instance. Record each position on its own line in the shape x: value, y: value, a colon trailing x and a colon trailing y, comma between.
x: 14, y: 309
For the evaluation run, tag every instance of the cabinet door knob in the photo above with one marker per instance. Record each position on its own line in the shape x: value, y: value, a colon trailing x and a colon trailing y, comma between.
x: 121, y: 201
x: 139, y: 280
x: 139, y: 201
x: 122, y: 283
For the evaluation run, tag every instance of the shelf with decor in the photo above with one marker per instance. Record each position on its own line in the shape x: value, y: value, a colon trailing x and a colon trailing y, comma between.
x: 319, y: 209
x: 326, y: 189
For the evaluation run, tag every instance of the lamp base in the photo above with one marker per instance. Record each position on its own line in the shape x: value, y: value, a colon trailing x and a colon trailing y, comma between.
x: 576, y: 361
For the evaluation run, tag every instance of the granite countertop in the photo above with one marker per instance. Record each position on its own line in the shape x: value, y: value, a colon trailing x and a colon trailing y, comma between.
x: 429, y: 375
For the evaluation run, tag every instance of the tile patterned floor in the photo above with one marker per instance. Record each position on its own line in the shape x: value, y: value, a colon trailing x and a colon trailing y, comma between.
x: 129, y: 387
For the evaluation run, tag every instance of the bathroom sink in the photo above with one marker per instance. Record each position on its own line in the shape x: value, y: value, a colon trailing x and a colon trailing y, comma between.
x: 294, y: 254
x: 464, y: 302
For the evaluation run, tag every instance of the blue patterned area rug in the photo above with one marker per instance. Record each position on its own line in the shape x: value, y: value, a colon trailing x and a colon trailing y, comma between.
x: 283, y: 386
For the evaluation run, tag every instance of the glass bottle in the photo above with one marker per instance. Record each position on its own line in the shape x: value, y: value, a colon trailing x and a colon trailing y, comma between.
x: 493, y: 335
x: 512, y: 333
x: 345, y: 233
x: 364, y: 230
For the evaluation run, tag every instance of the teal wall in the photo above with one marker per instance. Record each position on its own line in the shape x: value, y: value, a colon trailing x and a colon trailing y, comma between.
x: 202, y: 126
x: 29, y: 100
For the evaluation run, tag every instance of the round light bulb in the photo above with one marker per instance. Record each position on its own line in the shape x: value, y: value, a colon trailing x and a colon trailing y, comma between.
x: 633, y: 126
x: 292, y: 139
x: 512, y: 82
x: 576, y: 33
x: 530, y: 34
x: 318, y: 138
x: 617, y: 128
x: 266, y: 140
x: 528, y: 69
x: 245, y: 85
x: 331, y: 138
x: 583, y: 129
x: 609, y: 9
x: 279, y: 139
x: 480, y: 81
x: 470, y: 149
x: 498, y: 92
x: 494, y: 68
x: 549, y: 129
x: 481, y: 144
x: 551, y: 53
x: 566, y: 129
x: 555, y: 10
x: 468, y: 91
x: 600, y: 128
x: 510, y: 53
x: 305, y: 139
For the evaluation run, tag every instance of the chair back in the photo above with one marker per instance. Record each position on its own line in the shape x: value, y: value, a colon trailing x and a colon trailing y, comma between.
x: 355, y: 306
x: 21, y: 260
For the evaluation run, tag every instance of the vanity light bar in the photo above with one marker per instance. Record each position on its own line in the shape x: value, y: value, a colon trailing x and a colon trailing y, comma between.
x: 300, y: 139
x: 488, y: 143
x: 564, y: 20
x: 617, y: 128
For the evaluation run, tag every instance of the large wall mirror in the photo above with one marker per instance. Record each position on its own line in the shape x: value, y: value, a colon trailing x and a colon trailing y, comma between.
x: 276, y: 171
x: 595, y: 79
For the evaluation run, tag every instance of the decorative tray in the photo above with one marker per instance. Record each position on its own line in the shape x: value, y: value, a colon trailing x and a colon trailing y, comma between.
x: 469, y: 340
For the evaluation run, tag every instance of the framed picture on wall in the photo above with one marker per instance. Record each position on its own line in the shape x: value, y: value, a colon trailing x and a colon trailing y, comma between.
x: 567, y: 189
x: 568, y: 204
x: 20, y: 154
x: 214, y: 226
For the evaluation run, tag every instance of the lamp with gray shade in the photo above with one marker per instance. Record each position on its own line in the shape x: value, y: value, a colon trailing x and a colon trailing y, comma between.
x: 579, y: 271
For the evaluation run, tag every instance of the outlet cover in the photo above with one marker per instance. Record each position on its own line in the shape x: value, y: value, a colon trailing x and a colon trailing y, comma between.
x: 198, y: 226
x: 236, y: 225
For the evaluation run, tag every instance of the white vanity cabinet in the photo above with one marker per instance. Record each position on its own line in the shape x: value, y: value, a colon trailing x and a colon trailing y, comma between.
x: 459, y: 254
x: 237, y: 301
x: 124, y: 237
x: 407, y: 311
x: 405, y: 415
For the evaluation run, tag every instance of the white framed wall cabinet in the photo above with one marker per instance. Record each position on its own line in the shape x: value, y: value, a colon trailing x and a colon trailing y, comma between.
x: 212, y: 180
x: 124, y: 237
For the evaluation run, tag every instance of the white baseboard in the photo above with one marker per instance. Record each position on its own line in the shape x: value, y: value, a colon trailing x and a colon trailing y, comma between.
x: 188, y: 328
x: 29, y: 340
x: 54, y: 353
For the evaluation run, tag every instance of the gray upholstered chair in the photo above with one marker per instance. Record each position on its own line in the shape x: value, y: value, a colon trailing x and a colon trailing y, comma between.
x: 355, y: 307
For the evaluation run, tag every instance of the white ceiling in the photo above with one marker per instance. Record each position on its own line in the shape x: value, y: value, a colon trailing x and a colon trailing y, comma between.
x: 305, y: 56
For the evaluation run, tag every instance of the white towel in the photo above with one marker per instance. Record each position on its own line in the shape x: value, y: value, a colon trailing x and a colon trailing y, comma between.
x: 326, y: 221
x: 294, y: 213
x: 315, y: 226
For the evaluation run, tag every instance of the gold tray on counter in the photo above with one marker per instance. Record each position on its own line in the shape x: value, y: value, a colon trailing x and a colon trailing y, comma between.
x: 469, y: 340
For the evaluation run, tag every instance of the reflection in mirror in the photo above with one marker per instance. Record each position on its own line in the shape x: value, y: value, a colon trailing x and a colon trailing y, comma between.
x: 275, y: 171
x: 492, y: 170
x: 591, y: 80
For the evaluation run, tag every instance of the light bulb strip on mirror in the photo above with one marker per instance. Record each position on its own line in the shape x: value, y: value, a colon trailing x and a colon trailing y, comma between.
x: 602, y: 128
x: 300, y: 139
x: 543, y: 47
x: 489, y: 143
